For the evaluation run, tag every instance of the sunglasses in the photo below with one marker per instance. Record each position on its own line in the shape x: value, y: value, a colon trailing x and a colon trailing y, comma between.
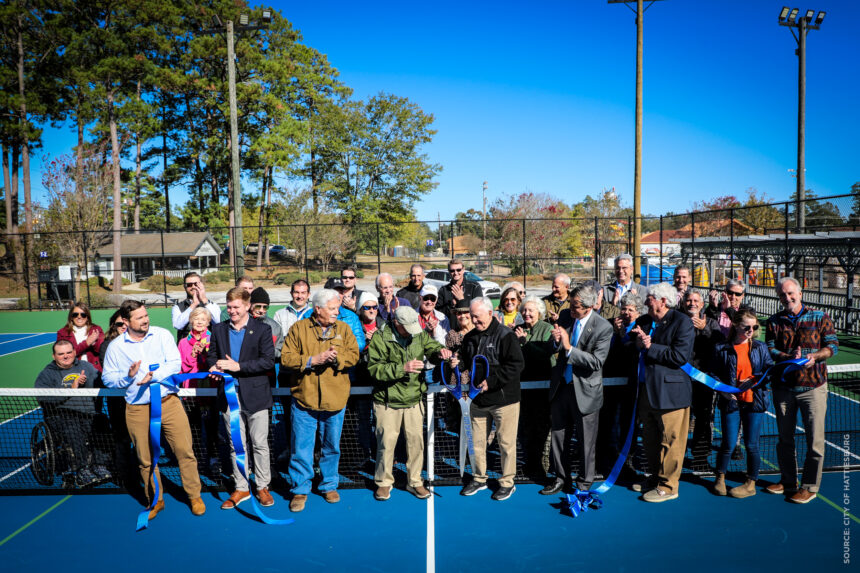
x: 260, y: 307
x: 119, y: 324
x: 455, y: 270
x: 511, y: 299
x: 368, y: 307
x: 79, y: 315
x: 189, y: 285
x: 734, y: 293
x: 747, y: 327
x: 429, y: 297
x: 347, y: 278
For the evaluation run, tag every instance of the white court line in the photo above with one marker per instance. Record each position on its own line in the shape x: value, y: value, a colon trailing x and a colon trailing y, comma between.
x: 829, y: 443
x: 431, y: 472
x: 23, y: 338
x: 832, y: 393
x: 19, y: 416
x: 7, y: 476
x: 23, y: 349
x: 431, y: 532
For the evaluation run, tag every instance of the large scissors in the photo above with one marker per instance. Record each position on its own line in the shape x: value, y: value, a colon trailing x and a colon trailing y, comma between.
x: 465, y: 401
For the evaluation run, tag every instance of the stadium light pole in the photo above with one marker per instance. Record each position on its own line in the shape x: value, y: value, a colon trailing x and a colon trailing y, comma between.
x: 637, y: 151
x: 803, y: 24
x: 230, y: 29
x: 484, y: 216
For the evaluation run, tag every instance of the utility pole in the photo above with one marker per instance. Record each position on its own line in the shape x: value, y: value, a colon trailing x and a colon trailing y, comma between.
x: 803, y: 25
x: 239, y: 243
x: 637, y: 146
x: 484, y: 216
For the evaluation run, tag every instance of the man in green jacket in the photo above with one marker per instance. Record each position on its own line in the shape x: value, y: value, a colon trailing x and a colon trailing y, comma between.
x: 396, y: 365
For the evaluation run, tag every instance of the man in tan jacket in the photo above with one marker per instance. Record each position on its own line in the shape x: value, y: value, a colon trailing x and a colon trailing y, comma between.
x: 318, y: 352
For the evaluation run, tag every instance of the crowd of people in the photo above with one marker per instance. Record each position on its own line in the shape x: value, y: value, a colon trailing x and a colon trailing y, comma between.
x: 603, y: 349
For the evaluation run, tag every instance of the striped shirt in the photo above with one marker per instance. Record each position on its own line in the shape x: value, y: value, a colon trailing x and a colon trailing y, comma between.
x: 810, y: 330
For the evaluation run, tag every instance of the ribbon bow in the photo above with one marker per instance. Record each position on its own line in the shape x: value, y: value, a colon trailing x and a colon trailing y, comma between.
x: 580, y: 501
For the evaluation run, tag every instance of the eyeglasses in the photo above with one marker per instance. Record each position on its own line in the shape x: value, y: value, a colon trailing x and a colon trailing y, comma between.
x: 748, y: 327
x: 119, y: 324
x: 368, y: 307
x: 189, y: 285
x: 79, y: 315
x: 346, y: 278
x: 522, y: 293
x: 452, y: 271
x: 429, y: 297
x: 511, y: 300
x: 260, y: 307
x: 734, y: 293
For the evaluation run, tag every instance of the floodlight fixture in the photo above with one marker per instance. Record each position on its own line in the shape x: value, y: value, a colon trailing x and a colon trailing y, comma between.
x: 243, y: 20
x: 820, y: 17
x: 216, y: 21
x: 783, y: 13
x: 267, y: 16
x: 793, y: 15
x: 809, y: 15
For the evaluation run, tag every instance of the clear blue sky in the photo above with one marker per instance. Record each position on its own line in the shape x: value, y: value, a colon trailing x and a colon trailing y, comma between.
x: 540, y: 96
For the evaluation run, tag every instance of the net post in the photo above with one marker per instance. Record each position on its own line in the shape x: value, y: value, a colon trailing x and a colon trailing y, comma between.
x: 431, y: 437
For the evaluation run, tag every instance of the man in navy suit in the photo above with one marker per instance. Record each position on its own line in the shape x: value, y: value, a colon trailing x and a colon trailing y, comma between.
x: 576, y: 387
x: 242, y: 347
x: 665, y: 339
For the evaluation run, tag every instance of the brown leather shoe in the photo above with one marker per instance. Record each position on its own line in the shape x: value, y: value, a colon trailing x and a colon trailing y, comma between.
x: 418, y: 491
x: 779, y: 488
x: 155, y: 510
x: 235, y: 499
x: 803, y: 495
x: 197, y: 506
x: 298, y: 502
x: 266, y: 499
x: 331, y: 496
x: 382, y: 493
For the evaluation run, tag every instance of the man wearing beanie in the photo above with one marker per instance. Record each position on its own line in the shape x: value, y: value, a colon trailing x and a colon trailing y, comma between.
x: 260, y: 310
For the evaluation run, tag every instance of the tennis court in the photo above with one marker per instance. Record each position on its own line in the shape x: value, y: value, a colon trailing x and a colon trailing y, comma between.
x: 450, y: 533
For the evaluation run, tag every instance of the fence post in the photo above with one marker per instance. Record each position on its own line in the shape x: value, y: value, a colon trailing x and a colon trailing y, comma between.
x: 732, y: 242
x: 307, y: 270
x: 27, y: 273
x: 525, y: 260
x: 661, y: 248
x: 164, y: 266
x: 86, y: 270
x: 378, y: 255
x: 596, y: 252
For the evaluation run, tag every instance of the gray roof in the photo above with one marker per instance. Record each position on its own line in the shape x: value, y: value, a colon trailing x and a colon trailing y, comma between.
x: 184, y: 244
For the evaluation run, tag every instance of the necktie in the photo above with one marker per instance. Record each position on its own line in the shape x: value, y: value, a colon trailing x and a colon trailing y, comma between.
x: 568, y: 370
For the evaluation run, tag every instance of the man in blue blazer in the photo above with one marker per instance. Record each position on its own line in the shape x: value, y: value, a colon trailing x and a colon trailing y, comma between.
x: 576, y: 387
x: 242, y: 347
x: 665, y: 338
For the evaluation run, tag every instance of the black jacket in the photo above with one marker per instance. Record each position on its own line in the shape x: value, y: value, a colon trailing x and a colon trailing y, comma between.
x: 705, y: 344
x: 502, y: 349
x: 412, y: 295
x: 446, y: 301
x: 726, y: 369
x: 256, y: 359
x: 667, y: 386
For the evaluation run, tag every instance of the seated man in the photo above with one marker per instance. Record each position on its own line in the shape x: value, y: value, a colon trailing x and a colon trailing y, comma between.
x: 70, y: 418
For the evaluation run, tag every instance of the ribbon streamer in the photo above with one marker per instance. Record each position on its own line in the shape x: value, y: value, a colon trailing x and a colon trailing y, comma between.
x: 466, y: 440
x: 172, y: 384
x: 714, y: 384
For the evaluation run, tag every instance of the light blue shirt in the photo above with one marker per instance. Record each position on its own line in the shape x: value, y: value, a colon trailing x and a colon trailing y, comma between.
x: 157, y: 347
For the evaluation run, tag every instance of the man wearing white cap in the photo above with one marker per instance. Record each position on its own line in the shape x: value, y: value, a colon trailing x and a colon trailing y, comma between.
x: 395, y: 362
x: 431, y: 320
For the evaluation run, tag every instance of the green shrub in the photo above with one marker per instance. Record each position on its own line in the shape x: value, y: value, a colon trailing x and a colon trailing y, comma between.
x: 222, y: 276
x: 288, y: 278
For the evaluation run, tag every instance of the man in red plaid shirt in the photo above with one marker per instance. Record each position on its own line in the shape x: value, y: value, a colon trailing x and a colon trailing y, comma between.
x: 800, y: 332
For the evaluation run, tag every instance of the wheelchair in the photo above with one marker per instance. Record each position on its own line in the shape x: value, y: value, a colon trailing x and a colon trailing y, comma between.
x: 50, y: 456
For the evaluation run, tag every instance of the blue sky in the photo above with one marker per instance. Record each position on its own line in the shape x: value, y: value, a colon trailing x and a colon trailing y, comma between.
x: 540, y: 96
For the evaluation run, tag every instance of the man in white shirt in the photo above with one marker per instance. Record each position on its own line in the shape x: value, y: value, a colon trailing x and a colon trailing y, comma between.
x: 297, y: 309
x: 196, y: 292
x: 623, y: 283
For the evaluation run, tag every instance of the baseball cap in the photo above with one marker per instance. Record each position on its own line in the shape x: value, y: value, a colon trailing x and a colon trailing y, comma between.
x: 408, y: 319
x: 429, y: 289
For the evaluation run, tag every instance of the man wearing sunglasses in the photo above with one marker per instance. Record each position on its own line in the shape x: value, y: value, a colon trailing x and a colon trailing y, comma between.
x: 195, y: 296
x: 349, y: 294
x: 722, y: 308
x: 456, y: 290
x: 431, y: 320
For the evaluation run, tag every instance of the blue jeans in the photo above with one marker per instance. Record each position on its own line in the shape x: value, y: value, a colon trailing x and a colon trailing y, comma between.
x: 305, y: 424
x: 752, y: 428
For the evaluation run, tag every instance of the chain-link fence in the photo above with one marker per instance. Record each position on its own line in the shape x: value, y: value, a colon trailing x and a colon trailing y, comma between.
x: 757, y: 244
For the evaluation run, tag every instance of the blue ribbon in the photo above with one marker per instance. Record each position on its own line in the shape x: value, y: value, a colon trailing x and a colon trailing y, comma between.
x: 714, y: 384
x: 465, y: 403
x: 172, y: 384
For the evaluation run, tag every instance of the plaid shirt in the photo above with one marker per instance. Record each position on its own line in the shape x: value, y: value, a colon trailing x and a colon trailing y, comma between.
x: 811, y: 330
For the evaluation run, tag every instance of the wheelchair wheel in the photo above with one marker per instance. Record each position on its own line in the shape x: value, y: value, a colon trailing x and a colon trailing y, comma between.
x: 43, y: 462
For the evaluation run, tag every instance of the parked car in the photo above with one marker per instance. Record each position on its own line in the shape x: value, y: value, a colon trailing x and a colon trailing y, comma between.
x: 278, y: 250
x: 251, y: 248
x: 441, y: 277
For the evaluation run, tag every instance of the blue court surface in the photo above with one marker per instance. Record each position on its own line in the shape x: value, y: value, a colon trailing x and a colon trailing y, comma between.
x: 696, y: 532
x: 12, y: 343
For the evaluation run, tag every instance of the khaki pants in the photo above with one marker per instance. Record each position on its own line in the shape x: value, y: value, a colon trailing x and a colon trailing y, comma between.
x: 812, y: 405
x: 177, y: 432
x: 389, y: 421
x: 664, y: 435
x: 506, y: 419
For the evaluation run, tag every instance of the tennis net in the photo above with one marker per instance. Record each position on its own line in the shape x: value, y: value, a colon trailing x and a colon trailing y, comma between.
x: 48, y: 441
